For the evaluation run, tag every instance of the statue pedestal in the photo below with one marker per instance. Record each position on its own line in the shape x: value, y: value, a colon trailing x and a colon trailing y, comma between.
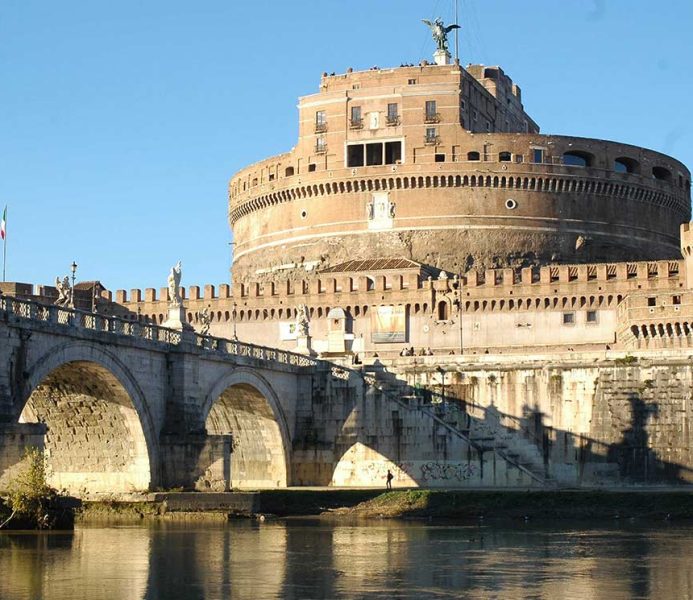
x: 441, y: 57
x: 303, y: 345
x: 176, y: 319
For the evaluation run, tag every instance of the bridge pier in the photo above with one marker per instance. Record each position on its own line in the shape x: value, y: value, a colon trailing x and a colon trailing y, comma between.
x: 196, y: 461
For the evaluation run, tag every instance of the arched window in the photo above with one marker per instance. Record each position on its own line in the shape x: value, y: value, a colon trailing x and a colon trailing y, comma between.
x: 443, y: 311
x: 577, y: 158
x: 505, y: 156
x: 624, y: 164
x: 473, y: 156
x: 661, y: 173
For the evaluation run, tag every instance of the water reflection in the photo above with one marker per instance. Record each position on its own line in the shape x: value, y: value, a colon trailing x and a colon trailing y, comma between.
x: 312, y: 559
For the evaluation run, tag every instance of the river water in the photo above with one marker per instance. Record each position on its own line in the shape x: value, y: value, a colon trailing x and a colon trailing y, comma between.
x: 304, y: 559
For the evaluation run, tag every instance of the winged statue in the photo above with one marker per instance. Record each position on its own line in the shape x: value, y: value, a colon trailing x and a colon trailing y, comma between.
x: 440, y: 32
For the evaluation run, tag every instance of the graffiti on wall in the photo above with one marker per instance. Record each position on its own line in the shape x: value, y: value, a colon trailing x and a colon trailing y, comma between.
x: 436, y: 471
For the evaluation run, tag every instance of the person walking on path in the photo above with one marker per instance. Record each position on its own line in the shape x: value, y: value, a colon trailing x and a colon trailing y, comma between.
x: 389, y: 478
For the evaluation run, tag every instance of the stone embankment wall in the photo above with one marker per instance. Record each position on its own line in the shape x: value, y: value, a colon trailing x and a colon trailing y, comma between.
x: 597, y: 418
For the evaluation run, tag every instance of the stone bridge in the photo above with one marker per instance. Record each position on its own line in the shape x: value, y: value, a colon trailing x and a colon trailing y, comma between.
x: 122, y: 406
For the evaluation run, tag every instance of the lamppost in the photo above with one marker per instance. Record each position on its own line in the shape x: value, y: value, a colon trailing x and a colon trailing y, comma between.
x: 233, y: 317
x: 73, y: 268
x: 441, y: 371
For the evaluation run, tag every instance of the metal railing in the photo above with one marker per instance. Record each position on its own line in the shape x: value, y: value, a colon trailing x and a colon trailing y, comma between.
x: 67, y: 317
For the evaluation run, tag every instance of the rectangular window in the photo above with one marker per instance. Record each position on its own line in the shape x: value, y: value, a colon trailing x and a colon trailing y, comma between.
x: 392, y: 114
x: 321, y: 145
x: 569, y: 318
x: 411, y: 81
x: 431, y: 111
x: 320, y: 119
x: 374, y: 154
x: 393, y: 153
x: 652, y: 301
x: 537, y: 155
x: 355, y: 155
x: 592, y: 317
x: 440, y: 158
x: 676, y: 300
x: 356, y: 119
x: 431, y: 136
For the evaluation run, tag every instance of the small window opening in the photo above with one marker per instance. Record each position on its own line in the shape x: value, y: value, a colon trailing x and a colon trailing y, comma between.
x: 393, y: 114
x: 591, y: 316
x: 676, y: 300
x: 473, y: 156
x: 652, y: 301
x: 626, y: 165
x: 442, y: 311
x: 537, y: 155
x: 661, y: 173
x: 505, y: 157
x: 288, y: 172
x: 440, y: 157
x: 578, y: 159
x: 311, y: 167
x: 374, y: 154
x: 569, y: 318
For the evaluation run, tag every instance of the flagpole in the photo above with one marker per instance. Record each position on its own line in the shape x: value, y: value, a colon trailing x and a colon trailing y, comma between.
x: 457, y: 33
x: 4, y: 246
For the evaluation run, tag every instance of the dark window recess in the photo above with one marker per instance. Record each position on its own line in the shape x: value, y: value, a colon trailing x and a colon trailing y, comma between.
x: 473, y: 156
x: 311, y: 167
x: 374, y: 154
x: 626, y: 165
x: 440, y: 158
x: 537, y: 155
x: 661, y: 173
x: 652, y: 301
x: 578, y: 159
x: 676, y: 300
x: 505, y: 157
x: 355, y: 155
x: 568, y: 318
x: 289, y: 172
x: 393, y: 153
x: 591, y: 316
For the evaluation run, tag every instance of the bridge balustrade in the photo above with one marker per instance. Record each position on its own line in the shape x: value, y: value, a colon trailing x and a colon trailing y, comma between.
x: 68, y: 317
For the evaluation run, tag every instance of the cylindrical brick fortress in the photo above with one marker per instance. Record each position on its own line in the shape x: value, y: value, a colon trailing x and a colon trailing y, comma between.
x: 409, y: 173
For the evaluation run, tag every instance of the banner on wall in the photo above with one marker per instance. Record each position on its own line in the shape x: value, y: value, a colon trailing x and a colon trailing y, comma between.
x: 288, y: 331
x: 388, y: 324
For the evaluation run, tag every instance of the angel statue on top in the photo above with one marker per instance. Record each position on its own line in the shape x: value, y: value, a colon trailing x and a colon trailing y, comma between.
x: 440, y: 32
x: 174, y: 276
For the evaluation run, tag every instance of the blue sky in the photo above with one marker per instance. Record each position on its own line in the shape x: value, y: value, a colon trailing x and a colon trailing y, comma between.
x: 122, y: 122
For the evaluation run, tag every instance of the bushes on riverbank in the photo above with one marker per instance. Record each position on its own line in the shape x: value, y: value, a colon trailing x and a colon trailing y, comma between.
x: 30, y: 503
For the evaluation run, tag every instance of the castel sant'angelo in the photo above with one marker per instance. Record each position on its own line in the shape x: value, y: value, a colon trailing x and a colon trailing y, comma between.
x: 424, y: 230
x: 422, y: 208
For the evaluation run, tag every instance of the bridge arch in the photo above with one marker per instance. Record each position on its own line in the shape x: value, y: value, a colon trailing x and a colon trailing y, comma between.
x: 244, y: 404
x: 100, y: 435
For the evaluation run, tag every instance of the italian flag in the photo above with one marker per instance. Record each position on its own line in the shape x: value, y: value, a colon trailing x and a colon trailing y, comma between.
x: 3, y: 224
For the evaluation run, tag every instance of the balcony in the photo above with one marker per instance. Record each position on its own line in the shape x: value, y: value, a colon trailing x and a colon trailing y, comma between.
x: 431, y: 140
x: 356, y: 123
x: 392, y: 120
x: 321, y: 128
x: 320, y: 148
x: 432, y: 118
